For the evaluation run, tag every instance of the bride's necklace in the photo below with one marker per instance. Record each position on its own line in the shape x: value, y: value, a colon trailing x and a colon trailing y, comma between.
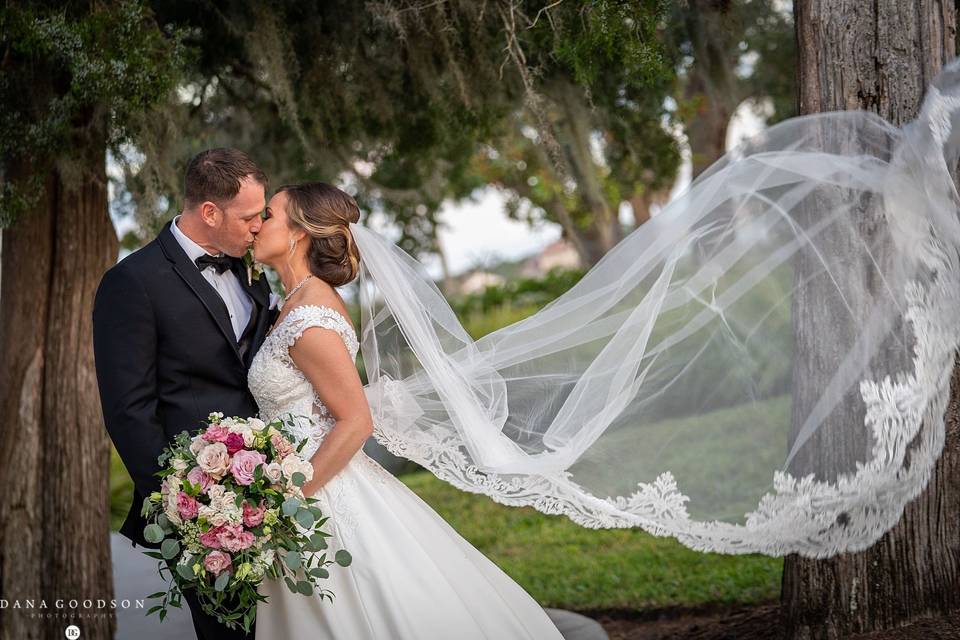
x: 293, y: 291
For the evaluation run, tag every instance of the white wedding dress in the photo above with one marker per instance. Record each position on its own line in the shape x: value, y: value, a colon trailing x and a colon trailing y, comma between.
x: 412, y: 576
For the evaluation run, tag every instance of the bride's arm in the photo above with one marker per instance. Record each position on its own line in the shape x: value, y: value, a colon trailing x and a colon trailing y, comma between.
x: 323, y: 358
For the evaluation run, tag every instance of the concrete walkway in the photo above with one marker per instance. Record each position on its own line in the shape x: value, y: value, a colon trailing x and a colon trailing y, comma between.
x: 135, y: 577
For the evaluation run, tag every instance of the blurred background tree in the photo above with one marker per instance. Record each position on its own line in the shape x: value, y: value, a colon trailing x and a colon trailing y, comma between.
x: 412, y: 104
x: 728, y: 53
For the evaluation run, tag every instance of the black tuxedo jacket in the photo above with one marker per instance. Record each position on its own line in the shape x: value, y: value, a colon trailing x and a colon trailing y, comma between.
x: 167, y: 356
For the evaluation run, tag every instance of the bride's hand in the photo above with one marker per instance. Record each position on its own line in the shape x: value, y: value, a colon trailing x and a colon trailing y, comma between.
x: 310, y: 487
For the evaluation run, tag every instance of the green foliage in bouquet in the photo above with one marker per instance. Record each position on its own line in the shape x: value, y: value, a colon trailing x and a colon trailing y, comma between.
x: 230, y: 513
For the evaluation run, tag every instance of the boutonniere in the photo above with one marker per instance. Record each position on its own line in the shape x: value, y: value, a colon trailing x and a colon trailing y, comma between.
x: 254, y: 268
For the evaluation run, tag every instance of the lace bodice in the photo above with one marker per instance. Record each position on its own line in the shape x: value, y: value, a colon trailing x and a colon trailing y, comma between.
x: 280, y: 388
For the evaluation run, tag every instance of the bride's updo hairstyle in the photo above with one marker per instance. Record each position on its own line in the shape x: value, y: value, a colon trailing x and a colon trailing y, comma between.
x: 325, y: 213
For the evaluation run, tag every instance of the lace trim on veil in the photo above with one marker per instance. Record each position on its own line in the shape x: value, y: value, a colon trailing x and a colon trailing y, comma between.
x: 853, y: 523
x: 800, y: 515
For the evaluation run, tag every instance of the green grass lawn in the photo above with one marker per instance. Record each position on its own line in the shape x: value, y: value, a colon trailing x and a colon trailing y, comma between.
x: 568, y: 566
x: 564, y: 565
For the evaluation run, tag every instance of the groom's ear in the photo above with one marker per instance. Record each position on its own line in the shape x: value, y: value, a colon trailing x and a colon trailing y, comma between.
x: 209, y: 212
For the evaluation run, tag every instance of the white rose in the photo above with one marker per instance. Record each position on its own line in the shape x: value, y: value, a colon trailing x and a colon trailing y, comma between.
x: 170, y: 487
x: 222, y: 508
x: 206, y: 512
x: 214, y: 459
x: 219, y: 518
x: 293, y: 463
x: 170, y: 510
x: 170, y: 490
x: 179, y: 464
x: 197, y: 445
x: 273, y: 472
x: 256, y: 424
x: 267, y: 557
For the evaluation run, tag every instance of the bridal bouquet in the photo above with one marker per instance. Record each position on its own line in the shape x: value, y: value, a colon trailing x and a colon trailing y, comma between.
x: 231, y: 511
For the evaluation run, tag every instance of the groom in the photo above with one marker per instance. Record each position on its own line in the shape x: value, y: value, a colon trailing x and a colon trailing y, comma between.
x: 176, y: 325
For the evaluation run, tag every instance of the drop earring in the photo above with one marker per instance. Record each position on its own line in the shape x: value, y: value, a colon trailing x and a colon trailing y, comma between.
x: 293, y: 244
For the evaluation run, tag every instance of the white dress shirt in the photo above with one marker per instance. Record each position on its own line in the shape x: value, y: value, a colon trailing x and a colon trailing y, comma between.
x: 239, y: 304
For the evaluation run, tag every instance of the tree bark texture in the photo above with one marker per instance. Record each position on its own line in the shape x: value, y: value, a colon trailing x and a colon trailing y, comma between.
x: 880, y: 57
x: 54, y: 507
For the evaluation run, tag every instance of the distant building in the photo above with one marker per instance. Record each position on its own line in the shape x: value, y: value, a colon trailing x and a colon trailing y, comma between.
x: 477, y: 281
x: 557, y: 254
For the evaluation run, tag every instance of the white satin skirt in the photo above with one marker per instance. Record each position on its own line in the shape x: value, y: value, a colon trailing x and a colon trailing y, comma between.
x: 413, y: 577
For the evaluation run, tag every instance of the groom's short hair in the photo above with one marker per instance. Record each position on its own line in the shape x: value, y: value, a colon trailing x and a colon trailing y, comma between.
x: 215, y: 175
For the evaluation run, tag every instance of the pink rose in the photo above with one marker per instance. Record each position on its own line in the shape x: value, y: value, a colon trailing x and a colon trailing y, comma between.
x: 252, y: 516
x: 231, y: 537
x: 234, y: 442
x: 217, y: 562
x: 198, y: 477
x: 243, y: 465
x: 187, y: 506
x: 216, y: 433
x: 282, y: 445
x: 211, y: 538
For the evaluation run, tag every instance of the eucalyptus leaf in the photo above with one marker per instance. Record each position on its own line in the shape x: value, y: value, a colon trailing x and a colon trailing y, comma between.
x: 305, y: 518
x: 290, y: 506
x: 305, y: 588
x: 170, y: 548
x: 153, y: 533
x: 292, y: 560
x: 343, y: 558
x: 222, y: 581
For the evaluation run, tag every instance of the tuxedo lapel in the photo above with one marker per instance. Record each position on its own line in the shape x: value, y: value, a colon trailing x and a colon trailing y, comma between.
x: 252, y: 288
x: 261, y: 316
x: 199, y: 285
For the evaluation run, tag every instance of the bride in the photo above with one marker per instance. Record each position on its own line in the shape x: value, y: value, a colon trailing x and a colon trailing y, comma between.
x: 412, y: 575
x: 763, y: 367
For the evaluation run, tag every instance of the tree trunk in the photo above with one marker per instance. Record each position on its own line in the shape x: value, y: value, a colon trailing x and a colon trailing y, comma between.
x: 643, y: 201
x: 879, y: 57
x: 54, y: 507
x: 712, y: 90
x: 597, y: 224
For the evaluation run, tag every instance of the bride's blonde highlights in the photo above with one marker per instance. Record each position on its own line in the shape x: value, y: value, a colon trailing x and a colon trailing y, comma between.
x: 325, y: 213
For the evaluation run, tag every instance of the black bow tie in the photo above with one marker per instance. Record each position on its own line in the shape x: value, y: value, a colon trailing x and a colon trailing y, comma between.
x: 221, y: 263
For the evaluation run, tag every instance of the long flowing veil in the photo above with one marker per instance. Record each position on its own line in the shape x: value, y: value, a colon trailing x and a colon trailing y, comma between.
x: 762, y: 367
